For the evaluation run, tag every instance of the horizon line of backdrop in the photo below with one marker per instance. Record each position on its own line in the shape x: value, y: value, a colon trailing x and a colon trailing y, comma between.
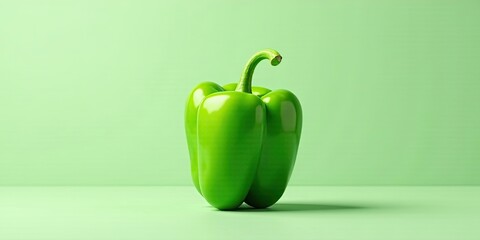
x: 93, y: 92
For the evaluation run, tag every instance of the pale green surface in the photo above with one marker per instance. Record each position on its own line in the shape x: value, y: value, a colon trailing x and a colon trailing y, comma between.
x: 93, y: 92
x: 180, y: 213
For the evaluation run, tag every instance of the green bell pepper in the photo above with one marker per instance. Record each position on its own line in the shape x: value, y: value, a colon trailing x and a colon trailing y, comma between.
x: 242, y: 140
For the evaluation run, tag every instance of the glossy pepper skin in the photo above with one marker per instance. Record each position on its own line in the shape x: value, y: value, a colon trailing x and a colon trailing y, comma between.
x: 242, y: 140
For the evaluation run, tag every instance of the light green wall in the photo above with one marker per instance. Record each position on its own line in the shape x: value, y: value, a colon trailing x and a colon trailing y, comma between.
x: 93, y: 92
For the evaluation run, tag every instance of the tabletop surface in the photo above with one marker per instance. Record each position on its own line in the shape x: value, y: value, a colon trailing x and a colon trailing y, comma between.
x: 304, y: 212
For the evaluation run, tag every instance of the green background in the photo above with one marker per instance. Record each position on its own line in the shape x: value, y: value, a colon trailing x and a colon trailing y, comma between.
x: 93, y: 92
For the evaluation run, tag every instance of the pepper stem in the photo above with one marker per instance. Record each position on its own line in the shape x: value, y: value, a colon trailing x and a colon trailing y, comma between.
x: 245, y: 84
